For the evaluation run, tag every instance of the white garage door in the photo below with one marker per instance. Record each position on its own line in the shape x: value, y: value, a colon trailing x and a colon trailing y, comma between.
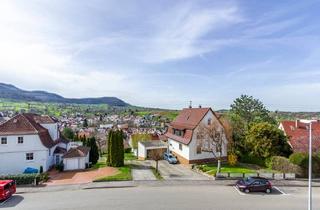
x: 72, y: 164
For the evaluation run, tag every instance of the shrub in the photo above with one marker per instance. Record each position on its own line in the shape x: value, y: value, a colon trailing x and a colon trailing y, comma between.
x: 41, y: 170
x: 232, y: 159
x: 22, y: 179
x: 60, y: 167
x: 302, y: 160
x: 127, y: 150
x: 297, y: 158
x: 283, y: 164
x: 253, y: 160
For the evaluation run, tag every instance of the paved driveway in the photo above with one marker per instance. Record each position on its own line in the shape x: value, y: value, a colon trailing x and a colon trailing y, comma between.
x: 179, y: 172
x: 170, y: 171
x: 142, y: 174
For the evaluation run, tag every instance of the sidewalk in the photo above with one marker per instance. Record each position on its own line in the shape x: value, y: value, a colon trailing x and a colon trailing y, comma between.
x: 124, y: 184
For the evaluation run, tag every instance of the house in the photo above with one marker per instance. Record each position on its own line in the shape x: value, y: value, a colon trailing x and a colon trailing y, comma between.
x: 31, y: 140
x: 182, y: 135
x: 298, y: 134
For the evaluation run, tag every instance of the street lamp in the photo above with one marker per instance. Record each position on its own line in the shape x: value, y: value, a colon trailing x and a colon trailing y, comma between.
x: 310, y: 168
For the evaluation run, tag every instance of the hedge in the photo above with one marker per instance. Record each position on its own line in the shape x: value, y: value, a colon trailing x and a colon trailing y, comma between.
x: 283, y: 164
x: 25, y: 179
x: 302, y: 160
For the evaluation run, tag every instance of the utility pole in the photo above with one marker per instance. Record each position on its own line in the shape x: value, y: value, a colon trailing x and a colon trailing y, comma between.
x: 310, y: 168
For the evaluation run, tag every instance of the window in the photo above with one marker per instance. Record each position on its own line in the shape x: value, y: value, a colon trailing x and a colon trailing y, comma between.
x: 178, y: 132
x: 29, y: 156
x: 4, y: 140
x: 20, y: 140
x: 180, y: 147
x: 209, y: 121
x: 198, y: 149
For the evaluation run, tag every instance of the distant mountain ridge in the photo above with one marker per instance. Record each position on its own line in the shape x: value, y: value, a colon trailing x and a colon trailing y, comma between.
x: 8, y: 91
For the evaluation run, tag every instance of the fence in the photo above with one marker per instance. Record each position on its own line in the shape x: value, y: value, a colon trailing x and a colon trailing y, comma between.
x: 276, y: 176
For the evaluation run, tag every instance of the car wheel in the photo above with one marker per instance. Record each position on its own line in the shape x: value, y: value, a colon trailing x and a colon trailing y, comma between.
x: 268, y: 190
x: 246, y: 190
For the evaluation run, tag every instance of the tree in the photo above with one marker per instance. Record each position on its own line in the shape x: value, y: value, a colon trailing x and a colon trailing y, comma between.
x: 68, y: 133
x: 250, y: 110
x: 156, y: 155
x: 85, y: 123
x: 94, y: 152
x: 245, y: 111
x: 115, y: 156
x: 212, y: 139
x: 264, y: 140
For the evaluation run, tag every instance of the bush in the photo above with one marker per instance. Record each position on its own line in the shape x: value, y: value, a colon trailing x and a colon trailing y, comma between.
x: 41, y: 170
x: 302, y: 160
x: 298, y: 158
x: 283, y: 164
x: 253, y: 160
x: 22, y: 179
x: 60, y: 167
x: 232, y: 159
x: 127, y: 150
x: 44, y: 177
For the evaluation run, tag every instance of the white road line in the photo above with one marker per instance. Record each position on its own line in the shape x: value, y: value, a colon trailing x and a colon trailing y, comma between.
x: 240, y: 193
x: 283, y: 193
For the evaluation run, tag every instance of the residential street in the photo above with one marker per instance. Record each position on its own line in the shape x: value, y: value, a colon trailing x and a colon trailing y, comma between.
x: 164, y: 197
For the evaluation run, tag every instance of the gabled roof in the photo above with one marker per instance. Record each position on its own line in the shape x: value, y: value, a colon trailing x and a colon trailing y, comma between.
x: 24, y: 124
x: 80, y: 151
x: 187, y: 120
x: 298, y: 134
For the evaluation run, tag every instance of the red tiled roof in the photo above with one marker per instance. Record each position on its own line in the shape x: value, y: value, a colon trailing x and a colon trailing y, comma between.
x: 299, y: 135
x: 80, y: 151
x: 187, y: 120
x: 24, y: 124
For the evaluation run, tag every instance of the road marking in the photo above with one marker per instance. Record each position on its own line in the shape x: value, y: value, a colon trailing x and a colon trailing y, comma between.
x: 283, y: 193
x: 5, y: 201
x: 240, y: 193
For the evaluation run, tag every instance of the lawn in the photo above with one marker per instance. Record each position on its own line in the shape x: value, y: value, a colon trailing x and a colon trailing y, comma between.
x: 225, y: 168
x: 129, y: 156
x: 123, y: 175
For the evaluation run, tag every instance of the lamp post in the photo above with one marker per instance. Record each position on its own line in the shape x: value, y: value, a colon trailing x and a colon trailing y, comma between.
x: 310, y: 168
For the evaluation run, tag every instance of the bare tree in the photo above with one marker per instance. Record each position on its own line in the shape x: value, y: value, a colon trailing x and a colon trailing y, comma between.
x: 156, y: 155
x: 212, y: 139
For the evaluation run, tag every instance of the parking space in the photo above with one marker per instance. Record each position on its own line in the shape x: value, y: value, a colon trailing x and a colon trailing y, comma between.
x: 275, y: 191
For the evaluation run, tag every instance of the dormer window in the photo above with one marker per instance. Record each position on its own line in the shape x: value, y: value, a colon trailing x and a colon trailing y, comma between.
x: 178, y: 132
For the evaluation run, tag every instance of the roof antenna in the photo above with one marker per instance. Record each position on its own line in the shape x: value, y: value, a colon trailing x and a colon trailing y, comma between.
x: 190, y: 104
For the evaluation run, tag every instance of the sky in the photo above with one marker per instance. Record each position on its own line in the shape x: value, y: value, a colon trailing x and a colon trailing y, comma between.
x: 165, y: 53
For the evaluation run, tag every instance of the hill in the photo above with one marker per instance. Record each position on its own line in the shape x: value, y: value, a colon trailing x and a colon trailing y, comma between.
x: 8, y: 91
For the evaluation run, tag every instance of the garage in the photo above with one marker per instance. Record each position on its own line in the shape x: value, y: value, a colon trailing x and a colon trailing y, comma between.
x: 145, y: 147
x: 76, y: 158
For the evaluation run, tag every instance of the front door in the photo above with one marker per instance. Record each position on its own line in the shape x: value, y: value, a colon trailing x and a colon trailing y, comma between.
x: 57, y: 159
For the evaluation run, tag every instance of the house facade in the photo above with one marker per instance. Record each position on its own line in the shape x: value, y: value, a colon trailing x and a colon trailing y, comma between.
x: 30, y: 140
x: 297, y: 132
x: 183, y: 138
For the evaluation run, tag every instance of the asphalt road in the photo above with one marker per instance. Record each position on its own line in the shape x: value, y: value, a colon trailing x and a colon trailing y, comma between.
x: 164, y: 197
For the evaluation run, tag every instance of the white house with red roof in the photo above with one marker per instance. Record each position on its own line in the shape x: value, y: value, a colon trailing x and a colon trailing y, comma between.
x: 31, y: 140
x: 298, y: 134
x: 182, y: 135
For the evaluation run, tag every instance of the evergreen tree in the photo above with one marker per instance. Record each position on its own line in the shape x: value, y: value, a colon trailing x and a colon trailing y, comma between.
x: 94, y: 152
x: 115, y: 156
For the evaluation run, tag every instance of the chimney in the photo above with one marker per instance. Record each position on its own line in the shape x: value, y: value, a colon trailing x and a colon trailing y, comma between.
x: 297, y: 123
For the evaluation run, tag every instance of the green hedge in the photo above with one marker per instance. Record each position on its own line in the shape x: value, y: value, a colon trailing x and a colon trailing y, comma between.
x: 283, y: 164
x: 25, y: 179
x: 302, y: 160
x: 252, y: 160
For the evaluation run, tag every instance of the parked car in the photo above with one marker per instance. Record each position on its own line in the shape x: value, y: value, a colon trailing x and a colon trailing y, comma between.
x: 254, y: 184
x: 170, y: 158
x: 7, y: 189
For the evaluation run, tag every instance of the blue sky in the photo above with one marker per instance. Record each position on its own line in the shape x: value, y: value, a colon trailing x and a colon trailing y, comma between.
x: 165, y: 53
